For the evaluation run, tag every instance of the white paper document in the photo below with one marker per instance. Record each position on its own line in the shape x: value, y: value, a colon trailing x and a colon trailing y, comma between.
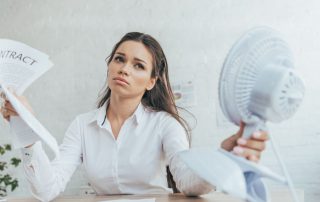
x: 232, y: 174
x: 132, y: 200
x: 32, y: 122
x: 20, y: 65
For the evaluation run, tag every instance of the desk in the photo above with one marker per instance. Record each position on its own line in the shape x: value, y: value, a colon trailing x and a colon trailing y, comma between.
x: 276, y: 196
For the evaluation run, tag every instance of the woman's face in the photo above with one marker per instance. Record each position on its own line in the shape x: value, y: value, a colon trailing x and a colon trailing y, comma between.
x: 129, y: 72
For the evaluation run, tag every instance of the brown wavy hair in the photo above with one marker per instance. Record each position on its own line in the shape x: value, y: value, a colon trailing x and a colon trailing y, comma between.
x: 160, y: 97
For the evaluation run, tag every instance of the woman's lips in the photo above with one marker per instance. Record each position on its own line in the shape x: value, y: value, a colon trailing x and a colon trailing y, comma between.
x: 121, y: 81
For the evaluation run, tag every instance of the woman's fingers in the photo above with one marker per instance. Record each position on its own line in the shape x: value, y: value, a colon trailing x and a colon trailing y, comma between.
x: 7, y: 111
x: 9, y: 108
x: 260, y: 136
x: 252, y: 144
x: 11, y: 112
x: 253, y: 158
x: 252, y: 148
x: 247, y: 153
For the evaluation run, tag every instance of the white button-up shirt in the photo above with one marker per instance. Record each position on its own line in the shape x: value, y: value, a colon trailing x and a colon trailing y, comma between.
x: 134, y: 163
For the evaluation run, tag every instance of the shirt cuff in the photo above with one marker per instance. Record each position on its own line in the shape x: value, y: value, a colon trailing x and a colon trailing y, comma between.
x: 28, y: 153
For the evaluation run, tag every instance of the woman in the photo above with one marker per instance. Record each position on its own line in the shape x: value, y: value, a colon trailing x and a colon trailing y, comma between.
x: 125, y: 144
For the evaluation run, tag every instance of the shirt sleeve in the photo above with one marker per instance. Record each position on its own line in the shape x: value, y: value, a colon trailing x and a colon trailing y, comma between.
x: 174, y: 140
x: 47, y: 178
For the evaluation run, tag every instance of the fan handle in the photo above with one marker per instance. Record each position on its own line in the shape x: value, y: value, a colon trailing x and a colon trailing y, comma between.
x: 260, y: 125
x: 251, y: 127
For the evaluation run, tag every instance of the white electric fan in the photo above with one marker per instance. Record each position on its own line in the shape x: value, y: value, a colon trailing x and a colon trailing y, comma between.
x: 258, y: 84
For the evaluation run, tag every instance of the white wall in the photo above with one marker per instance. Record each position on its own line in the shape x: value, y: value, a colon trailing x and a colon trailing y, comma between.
x: 195, y: 35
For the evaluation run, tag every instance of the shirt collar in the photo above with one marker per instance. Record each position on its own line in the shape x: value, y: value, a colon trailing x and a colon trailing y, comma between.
x: 100, y: 114
x: 137, y: 115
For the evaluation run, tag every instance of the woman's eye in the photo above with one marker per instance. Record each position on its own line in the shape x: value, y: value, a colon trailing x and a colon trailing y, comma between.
x: 139, y: 66
x: 118, y: 59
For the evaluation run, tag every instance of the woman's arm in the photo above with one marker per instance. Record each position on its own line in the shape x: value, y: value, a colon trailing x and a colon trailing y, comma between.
x: 47, y: 179
x: 174, y: 140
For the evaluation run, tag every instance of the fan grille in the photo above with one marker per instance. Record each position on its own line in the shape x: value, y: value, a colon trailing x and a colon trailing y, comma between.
x: 242, y: 66
x: 252, y: 65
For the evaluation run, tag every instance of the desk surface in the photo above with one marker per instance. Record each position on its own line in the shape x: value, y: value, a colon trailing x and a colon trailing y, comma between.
x: 276, y: 196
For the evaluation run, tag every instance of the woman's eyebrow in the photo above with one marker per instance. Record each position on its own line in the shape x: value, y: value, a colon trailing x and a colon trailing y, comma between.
x: 119, y: 53
x: 138, y: 59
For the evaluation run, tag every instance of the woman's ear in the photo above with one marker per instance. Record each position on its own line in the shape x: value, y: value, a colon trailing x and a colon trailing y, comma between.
x: 152, y: 82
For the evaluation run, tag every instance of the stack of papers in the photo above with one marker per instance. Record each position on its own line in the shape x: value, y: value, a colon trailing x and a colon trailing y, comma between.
x: 20, y: 65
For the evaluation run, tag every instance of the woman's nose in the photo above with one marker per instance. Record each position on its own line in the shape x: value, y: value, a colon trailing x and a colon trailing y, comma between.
x: 125, y: 69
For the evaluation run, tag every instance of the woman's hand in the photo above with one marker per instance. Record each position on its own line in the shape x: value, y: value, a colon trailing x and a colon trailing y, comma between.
x: 7, y: 109
x: 250, y: 149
